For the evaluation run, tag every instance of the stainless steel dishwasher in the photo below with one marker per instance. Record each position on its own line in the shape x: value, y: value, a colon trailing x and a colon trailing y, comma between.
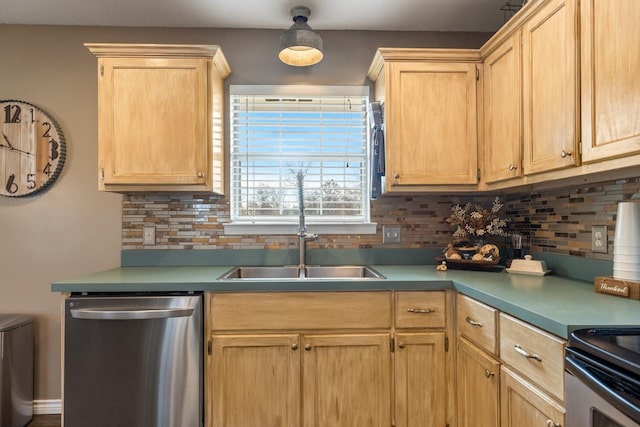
x: 133, y: 360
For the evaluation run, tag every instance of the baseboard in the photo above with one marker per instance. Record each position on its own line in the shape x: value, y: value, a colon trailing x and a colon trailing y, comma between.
x: 46, y: 407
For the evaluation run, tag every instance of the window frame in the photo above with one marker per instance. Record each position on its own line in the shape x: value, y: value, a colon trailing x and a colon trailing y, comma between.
x: 275, y: 226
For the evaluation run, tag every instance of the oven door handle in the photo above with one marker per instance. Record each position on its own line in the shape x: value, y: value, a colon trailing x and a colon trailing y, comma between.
x: 579, y: 369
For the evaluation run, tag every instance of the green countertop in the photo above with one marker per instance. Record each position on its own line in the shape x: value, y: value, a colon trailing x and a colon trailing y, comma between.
x: 556, y: 304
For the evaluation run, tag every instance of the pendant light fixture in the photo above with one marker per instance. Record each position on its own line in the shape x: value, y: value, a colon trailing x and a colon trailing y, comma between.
x: 300, y: 46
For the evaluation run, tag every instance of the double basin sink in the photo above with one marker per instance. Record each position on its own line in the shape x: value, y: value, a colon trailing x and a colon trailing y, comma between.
x: 308, y: 272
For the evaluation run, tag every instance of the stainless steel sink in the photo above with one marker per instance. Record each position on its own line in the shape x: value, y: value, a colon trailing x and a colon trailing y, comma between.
x: 248, y: 273
x: 342, y: 271
x: 317, y: 272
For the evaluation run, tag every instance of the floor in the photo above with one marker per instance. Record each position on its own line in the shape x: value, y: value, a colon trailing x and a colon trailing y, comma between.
x: 45, y: 421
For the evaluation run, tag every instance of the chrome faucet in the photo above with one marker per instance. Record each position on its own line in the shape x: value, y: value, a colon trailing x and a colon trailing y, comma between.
x: 303, y: 236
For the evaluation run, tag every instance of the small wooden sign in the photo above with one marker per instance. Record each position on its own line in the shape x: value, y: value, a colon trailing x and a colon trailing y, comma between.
x: 617, y: 287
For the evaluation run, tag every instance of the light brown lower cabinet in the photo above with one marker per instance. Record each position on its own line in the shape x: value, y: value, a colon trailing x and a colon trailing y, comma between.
x: 327, y: 359
x: 287, y: 380
x: 524, y: 405
x: 523, y: 386
x: 478, y: 387
x: 420, y: 380
x: 256, y: 380
x: 346, y: 380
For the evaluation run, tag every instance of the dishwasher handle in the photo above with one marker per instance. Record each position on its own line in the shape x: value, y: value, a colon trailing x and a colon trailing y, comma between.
x: 136, y: 314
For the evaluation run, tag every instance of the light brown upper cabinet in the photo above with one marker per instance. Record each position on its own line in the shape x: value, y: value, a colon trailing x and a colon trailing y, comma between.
x: 610, y: 31
x: 430, y: 116
x: 160, y: 117
x: 503, y: 111
x: 550, y: 88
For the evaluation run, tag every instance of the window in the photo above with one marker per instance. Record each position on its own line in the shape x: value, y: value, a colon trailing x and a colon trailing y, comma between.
x: 278, y: 132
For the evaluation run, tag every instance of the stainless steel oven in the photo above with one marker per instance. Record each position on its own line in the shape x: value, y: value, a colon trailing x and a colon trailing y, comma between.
x: 602, y: 373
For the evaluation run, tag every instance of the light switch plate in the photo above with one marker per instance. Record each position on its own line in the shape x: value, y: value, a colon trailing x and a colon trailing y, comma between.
x: 391, y: 234
x: 599, y: 238
x: 149, y: 236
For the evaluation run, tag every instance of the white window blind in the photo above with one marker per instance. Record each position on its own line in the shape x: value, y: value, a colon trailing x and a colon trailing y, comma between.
x: 277, y: 132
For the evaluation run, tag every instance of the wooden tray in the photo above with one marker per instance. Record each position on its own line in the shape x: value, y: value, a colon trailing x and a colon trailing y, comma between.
x: 468, y: 264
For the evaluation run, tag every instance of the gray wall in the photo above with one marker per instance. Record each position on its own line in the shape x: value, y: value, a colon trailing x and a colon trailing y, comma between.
x: 72, y: 229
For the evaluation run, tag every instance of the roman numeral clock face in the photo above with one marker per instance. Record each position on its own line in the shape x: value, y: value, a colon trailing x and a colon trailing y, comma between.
x: 32, y: 149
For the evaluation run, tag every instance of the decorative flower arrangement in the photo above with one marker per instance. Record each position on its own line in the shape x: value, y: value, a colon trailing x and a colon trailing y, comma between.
x: 474, y: 221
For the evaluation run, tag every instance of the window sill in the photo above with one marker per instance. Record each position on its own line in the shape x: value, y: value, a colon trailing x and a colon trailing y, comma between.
x: 239, y: 229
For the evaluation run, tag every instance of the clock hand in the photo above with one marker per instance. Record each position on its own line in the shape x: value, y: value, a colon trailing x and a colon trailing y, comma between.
x: 8, y: 142
x: 11, y: 147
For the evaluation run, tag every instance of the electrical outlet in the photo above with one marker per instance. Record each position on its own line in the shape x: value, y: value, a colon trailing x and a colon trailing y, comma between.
x: 391, y: 234
x: 599, y: 238
x: 149, y: 236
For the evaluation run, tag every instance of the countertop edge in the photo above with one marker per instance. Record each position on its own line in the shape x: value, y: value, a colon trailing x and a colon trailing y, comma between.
x: 539, y: 301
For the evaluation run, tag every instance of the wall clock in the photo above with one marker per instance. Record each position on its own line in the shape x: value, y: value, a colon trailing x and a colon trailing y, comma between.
x: 32, y: 149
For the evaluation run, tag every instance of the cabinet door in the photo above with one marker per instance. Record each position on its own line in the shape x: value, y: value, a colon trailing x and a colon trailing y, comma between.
x: 256, y: 381
x: 478, y: 387
x: 153, y: 121
x: 503, y: 111
x: 420, y: 380
x: 523, y: 405
x: 550, y: 83
x: 431, y: 124
x: 347, y: 380
x: 610, y: 85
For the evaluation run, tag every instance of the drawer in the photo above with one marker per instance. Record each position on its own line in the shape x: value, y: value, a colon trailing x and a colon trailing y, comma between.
x: 420, y: 309
x: 478, y: 322
x: 299, y: 310
x: 534, y: 353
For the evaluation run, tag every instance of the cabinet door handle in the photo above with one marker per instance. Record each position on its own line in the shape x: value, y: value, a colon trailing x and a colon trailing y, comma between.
x: 522, y: 352
x: 396, y: 175
x: 488, y: 373
x: 401, y: 344
x: 550, y: 423
x: 421, y: 310
x: 307, y: 347
x: 200, y: 175
x: 512, y: 167
x: 294, y: 346
x: 564, y: 154
x: 473, y: 322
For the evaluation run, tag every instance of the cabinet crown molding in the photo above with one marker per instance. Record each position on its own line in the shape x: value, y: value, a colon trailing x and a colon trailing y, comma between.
x: 128, y: 50
x: 385, y: 54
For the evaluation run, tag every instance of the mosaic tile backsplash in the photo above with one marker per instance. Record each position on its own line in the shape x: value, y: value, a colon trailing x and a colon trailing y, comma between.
x: 557, y: 220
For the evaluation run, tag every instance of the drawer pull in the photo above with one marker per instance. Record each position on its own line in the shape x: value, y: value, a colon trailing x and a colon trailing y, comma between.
x: 550, y: 423
x: 421, y: 310
x: 473, y: 322
x: 294, y: 346
x: 522, y: 352
x: 488, y: 373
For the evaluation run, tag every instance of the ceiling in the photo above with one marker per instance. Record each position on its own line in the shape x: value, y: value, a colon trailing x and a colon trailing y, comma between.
x: 384, y: 15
